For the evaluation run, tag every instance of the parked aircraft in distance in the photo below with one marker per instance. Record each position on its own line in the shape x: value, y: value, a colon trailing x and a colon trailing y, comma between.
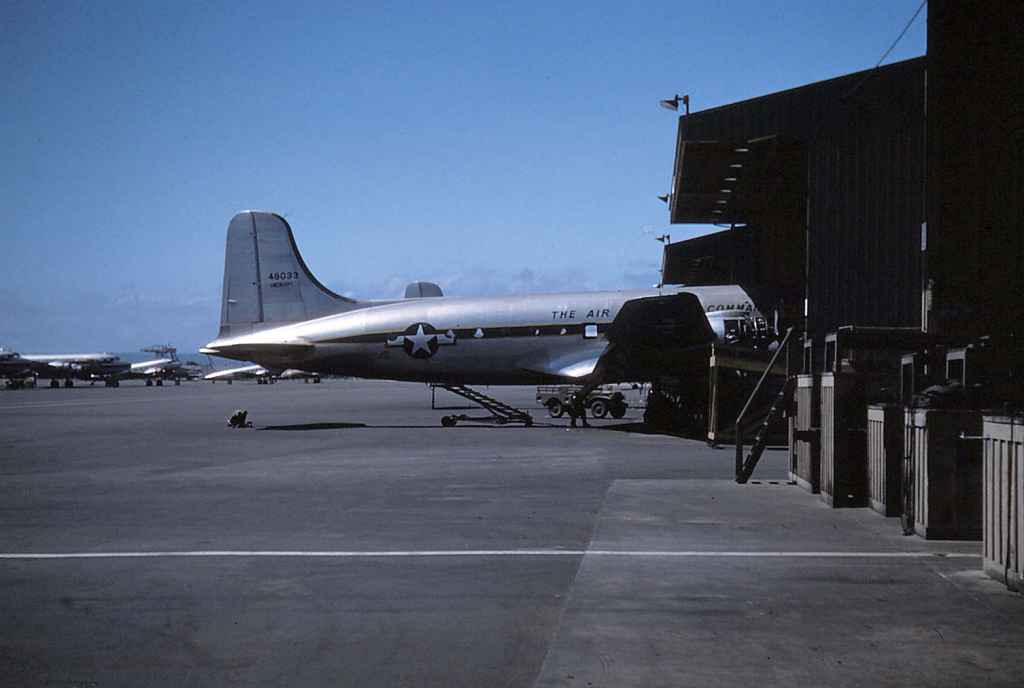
x: 69, y: 367
x: 247, y: 372
x: 276, y: 313
x: 262, y: 375
x: 169, y: 367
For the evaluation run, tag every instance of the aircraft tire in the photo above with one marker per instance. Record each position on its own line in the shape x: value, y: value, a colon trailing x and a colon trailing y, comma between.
x: 448, y: 421
x: 555, y: 408
x: 599, y: 409
x: 149, y: 383
x: 159, y: 383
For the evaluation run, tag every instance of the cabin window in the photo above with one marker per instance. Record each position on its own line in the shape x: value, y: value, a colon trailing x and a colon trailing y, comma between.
x: 589, y: 331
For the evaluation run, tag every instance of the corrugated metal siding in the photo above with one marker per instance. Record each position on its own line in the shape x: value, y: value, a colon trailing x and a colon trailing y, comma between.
x: 947, y: 473
x: 976, y: 166
x: 807, y: 471
x: 828, y: 438
x: 1003, y: 526
x: 864, y: 134
x: 885, y: 451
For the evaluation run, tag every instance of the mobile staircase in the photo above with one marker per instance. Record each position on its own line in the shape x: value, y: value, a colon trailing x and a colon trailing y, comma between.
x: 745, y: 465
x: 501, y: 413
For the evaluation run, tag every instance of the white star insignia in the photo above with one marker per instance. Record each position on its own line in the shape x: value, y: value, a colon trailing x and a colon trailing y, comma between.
x: 420, y: 340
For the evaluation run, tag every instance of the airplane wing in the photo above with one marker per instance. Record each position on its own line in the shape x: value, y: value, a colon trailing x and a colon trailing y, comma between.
x: 574, y: 365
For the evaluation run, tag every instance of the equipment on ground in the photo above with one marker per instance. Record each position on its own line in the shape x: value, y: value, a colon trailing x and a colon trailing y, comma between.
x: 501, y: 413
x: 602, y: 401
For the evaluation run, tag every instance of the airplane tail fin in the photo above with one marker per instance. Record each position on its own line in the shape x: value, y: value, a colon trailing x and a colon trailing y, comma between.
x: 266, y: 282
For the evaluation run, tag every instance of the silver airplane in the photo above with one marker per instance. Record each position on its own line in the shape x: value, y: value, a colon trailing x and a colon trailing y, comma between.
x: 261, y: 374
x: 155, y: 371
x: 276, y: 313
x: 241, y: 373
x: 70, y: 367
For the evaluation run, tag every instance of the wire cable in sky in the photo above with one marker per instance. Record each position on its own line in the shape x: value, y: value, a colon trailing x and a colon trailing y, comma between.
x: 902, y: 33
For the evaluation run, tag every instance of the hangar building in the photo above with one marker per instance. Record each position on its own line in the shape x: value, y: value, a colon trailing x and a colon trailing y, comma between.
x: 885, y: 198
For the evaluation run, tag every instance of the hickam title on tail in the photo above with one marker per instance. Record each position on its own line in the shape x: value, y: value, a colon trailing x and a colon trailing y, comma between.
x: 276, y: 313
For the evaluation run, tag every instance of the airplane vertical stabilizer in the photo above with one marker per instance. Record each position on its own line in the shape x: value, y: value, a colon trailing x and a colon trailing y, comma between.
x: 266, y: 282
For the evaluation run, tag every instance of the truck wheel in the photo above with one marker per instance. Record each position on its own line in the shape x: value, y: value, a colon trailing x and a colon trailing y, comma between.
x: 618, y: 411
x: 555, y: 408
x: 599, y: 408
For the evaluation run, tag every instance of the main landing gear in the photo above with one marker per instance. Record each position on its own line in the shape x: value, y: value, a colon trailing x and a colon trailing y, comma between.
x: 501, y: 413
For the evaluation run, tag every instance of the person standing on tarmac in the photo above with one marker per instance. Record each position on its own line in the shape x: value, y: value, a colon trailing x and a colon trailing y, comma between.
x: 577, y: 409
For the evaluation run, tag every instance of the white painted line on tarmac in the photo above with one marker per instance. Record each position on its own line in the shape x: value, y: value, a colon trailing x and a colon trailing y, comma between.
x: 366, y: 554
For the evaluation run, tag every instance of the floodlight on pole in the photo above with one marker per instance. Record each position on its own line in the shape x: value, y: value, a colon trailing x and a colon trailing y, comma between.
x: 673, y: 103
x: 664, y: 197
x: 665, y: 240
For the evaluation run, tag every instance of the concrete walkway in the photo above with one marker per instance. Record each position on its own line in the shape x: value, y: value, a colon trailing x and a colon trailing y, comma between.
x: 764, y: 585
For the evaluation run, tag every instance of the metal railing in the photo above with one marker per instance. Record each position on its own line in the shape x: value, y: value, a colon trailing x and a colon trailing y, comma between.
x: 742, y: 472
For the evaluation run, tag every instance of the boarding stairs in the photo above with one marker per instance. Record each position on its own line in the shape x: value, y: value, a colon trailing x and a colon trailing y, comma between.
x: 745, y: 465
x: 501, y: 413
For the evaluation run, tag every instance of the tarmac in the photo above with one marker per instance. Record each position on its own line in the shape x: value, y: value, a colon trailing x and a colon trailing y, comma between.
x: 349, y: 540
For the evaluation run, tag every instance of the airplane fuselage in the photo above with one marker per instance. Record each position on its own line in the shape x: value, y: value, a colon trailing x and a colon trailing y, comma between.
x: 465, y: 340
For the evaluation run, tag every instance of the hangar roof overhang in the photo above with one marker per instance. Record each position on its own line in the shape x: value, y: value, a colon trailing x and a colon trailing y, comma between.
x: 722, y: 182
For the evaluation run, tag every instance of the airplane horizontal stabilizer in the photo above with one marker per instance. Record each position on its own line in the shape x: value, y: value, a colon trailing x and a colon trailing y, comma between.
x: 260, y: 351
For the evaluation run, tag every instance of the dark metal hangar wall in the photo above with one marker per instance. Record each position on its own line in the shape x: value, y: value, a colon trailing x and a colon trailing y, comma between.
x: 859, y: 175
x: 976, y: 167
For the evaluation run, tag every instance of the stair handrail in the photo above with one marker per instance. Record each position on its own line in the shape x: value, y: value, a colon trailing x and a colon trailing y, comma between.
x: 783, y: 346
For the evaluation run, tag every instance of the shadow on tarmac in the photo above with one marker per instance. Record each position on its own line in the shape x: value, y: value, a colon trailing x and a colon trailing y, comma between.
x: 315, y: 426
x: 348, y: 426
x: 644, y: 429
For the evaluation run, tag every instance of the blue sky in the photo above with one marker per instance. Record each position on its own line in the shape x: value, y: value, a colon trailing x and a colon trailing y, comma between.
x: 491, y: 147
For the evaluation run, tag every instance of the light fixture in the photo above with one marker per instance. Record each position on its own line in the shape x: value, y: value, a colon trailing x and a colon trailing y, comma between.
x: 664, y: 238
x: 664, y: 198
x: 673, y: 103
